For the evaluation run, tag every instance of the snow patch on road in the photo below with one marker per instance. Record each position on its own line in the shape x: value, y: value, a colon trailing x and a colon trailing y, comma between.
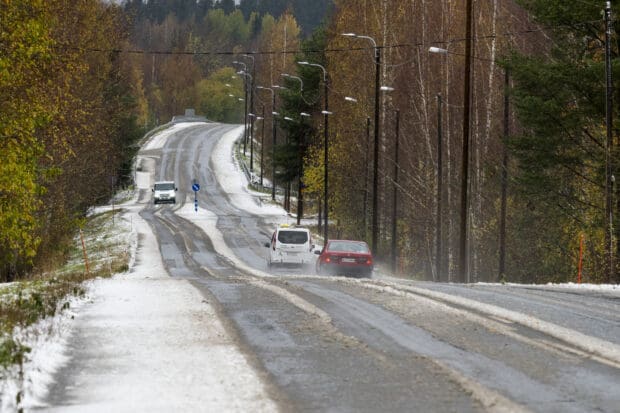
x: 158, y: 140
x: 207, y: 222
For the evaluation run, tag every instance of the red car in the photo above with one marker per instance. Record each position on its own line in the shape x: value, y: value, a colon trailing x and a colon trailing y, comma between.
x: 345, y: 257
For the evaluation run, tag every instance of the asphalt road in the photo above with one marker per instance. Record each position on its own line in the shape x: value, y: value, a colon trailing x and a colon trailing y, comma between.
x: 334, y: 344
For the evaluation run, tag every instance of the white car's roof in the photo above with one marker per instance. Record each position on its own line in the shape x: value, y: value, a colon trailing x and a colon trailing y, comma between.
x: 293, y: 229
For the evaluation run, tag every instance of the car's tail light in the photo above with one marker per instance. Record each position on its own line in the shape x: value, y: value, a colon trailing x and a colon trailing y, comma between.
x: 328, y: 259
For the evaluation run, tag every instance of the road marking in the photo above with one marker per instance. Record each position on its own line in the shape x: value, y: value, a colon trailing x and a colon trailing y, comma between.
x: 491, y: 400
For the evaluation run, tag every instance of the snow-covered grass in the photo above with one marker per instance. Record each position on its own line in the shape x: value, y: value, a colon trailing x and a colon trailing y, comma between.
x: 35, y: 311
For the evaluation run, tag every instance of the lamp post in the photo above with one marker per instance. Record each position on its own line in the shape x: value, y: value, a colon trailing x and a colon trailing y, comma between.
x: 273, y: 124
x: 246, y: 132
x: 326, y: 114
x: 252, y: 77
x: 245, y: 114
x: 253, y: 117
x: 375, y: 176
x: 609, y: 178
x: 287, y: 186
x: 395, y: 200
x: 463, y: 275
x: 262, y: 145
x: 301, y: 86
x: 365, y: 204
x: 438, y: 236
x: 300, y: 184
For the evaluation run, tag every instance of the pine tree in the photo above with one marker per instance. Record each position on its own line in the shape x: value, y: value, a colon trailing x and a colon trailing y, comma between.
x: 560, y: 99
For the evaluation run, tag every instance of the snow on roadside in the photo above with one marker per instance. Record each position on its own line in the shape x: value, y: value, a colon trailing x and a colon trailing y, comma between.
x: 153, y: 336
x: 570, y: 285
x: 233, y: 181
x: 47, y: 340
x: 141, y: 320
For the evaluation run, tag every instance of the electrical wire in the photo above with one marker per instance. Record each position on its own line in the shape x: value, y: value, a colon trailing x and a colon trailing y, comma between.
x: 330, y: 50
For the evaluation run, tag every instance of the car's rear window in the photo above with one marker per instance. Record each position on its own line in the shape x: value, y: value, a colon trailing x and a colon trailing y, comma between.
x: 292, y: 237
x: 342, y: 246
x: 164, y: 187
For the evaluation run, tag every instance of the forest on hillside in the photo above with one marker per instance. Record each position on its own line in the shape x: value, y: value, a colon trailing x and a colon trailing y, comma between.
x: 537, y: 151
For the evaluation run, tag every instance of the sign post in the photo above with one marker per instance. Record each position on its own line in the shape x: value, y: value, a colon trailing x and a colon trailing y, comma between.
x: 195, y: 188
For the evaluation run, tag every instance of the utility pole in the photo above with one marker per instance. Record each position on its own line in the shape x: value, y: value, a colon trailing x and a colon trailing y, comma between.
x: 326, y: 161
x: 326, y: 113
x: 463, y: 275
x: 252, y: 84
x: 375, y: 172
x: 438, y: 236
x: 245, y: 116
x: 273, y: 147
x: 262, y: 146
x: 609, y: 233
x: 395, y: 199
x: 502, y: 218
x: 366, y: 178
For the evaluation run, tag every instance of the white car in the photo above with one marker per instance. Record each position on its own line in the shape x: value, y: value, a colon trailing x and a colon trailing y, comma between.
x: 290, y: 245
x: 164, y: 192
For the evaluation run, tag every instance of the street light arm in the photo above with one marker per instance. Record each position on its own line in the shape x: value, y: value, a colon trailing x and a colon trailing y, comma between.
x: 266, y: 88
x: 236, y: 62
x: 374, y: 43
x: 315, y: 65
x: 301, y: 88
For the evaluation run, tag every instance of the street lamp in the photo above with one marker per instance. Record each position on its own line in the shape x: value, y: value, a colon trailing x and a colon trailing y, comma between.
x: 262, y: 145
x: 300, y: 185
x: 252, y: 77
x: 438, y: 235
x: 609, y: 177
x: 375, y: 181
x: 245, y: 87
x: 273, y: 124
x: 463, y: 262
x: 252, y: 118
x: 301, y: 88
x: 395, y: 196
x: 365, y: 207
x: 326, y: 114
x: 245, y: 135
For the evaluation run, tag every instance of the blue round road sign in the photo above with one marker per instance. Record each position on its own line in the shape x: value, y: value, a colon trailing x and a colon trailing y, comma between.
x: 195, y: 187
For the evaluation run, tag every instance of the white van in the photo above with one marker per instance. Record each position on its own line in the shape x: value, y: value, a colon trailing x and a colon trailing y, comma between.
x: 164, y: 191
x: 290, y: 245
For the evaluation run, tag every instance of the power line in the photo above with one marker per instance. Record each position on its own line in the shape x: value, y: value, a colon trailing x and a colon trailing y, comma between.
x: 331, y: 50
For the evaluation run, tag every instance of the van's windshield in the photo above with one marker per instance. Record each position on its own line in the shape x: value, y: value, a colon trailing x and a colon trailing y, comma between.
x: 168, y: 186
x: 292, y: 237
